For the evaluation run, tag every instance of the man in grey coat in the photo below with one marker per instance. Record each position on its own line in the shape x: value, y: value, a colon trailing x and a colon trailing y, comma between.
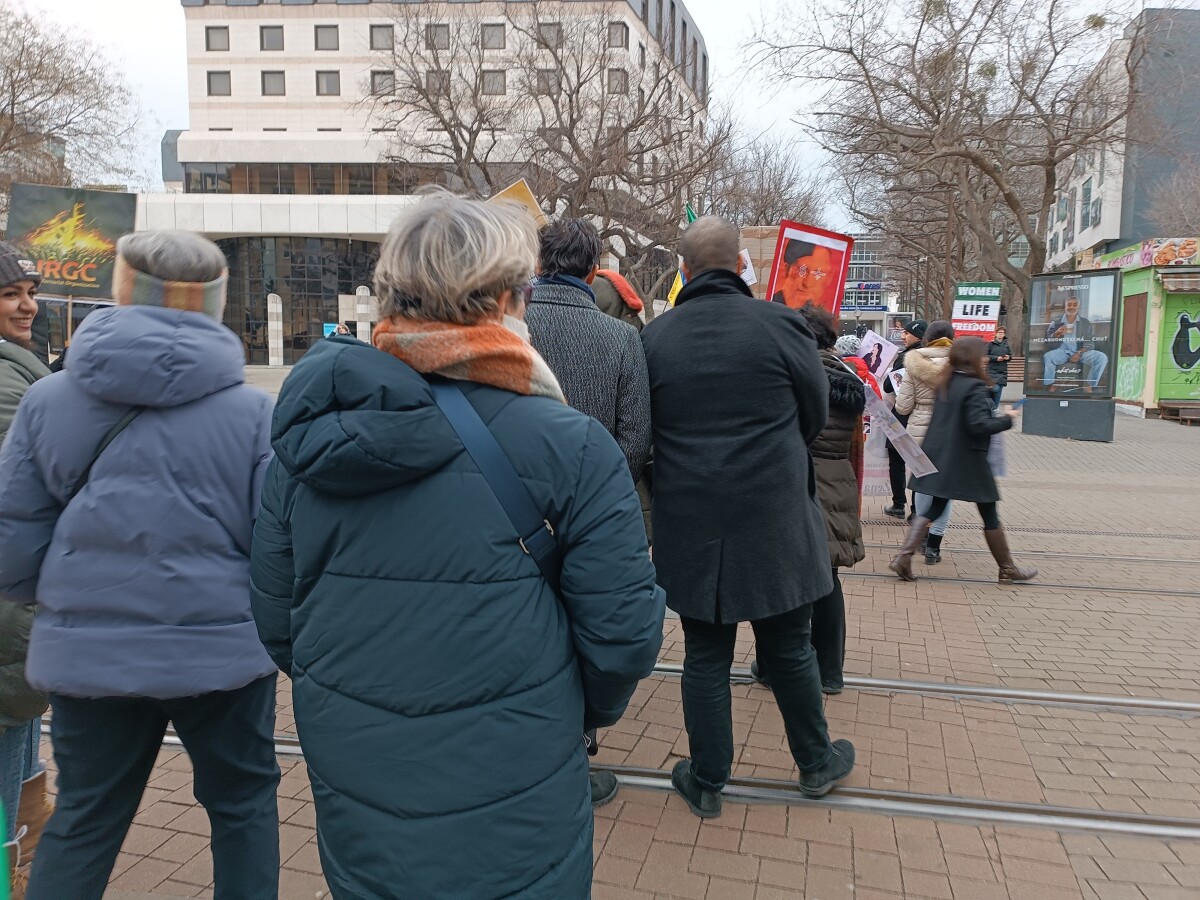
x: 738, y: 393
x: 598, y: 360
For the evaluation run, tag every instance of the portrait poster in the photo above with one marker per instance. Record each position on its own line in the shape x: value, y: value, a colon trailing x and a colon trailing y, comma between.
x: 877, y: 353
x: 893, y: 327
x: 71, y: 235
x: 810, y: 266
x: 884, y: 421
x: 1069, y: 341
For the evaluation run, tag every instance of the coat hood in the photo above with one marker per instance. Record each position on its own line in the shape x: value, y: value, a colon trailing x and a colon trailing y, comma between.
x: 623, y: 289
x: 845, y: 388
x: 354, y: 420
x: 926, y: 363
x: 151, y: 356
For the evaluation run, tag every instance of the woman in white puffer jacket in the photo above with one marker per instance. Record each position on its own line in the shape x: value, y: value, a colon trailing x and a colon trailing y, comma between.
x: 923, y: 368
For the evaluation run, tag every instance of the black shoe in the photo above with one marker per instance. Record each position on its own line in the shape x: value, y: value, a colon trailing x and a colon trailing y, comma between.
x: 700, y: 800
x: 604, y: 788
x: 896, y: 511
x: 933, y: 549
x: 756, y: 673
x: 830, y: 688
x: 821, y: 781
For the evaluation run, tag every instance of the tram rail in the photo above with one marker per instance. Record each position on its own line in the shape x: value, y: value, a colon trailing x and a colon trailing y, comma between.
x: 1055, y: 554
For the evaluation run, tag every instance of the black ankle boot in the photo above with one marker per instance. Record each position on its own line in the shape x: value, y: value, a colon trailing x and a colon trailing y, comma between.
x: 933, y: 549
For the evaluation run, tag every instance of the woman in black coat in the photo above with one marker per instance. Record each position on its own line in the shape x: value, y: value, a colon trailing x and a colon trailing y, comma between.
x: 957, y: 443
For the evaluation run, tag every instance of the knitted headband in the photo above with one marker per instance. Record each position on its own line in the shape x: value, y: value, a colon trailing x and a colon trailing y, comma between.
x: 132, y: 287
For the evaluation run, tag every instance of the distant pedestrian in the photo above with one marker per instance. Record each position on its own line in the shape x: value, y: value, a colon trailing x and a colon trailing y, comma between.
x: 839, y: 490
x: 597, y: 359
x: 22, y: 776
x: 957, y: 443
x: 999, y: 355
x: 913, y: 332
x: 923, y: 366
x: 441, y: 684
x: 138, y: 554
x: 738, y: 394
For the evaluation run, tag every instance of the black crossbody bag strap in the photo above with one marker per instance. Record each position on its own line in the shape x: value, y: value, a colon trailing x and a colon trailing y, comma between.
x: 535, y: 533
x: 108, y: 438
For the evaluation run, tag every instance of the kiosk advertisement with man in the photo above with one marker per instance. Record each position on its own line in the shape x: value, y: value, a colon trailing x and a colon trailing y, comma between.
x: 1070, y: 336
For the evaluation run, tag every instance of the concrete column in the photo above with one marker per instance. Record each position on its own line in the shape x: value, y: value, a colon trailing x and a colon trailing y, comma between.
x: 274, y: 330
x: 365, y: 305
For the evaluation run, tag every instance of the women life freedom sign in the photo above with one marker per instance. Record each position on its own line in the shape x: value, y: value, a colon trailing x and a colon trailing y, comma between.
x: 976, y: 309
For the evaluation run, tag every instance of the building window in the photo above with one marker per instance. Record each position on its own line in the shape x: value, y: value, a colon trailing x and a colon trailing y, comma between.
x: 329, y: 84
x: 437, y: 83
x: 270, y: 37
x: 642, y: 55
x: 437, y: 37
x: 495, y: 82
x: 216, y: 37
x: 274, y: 129
x: 1133, y: 325
x: 618, y: 81
x: 273, y: 84
x: 383, y: 83
x: 618, y: 36
x: 548, y: 83
x: 383, y: 37
x: 550, y: 34
x: 492, y: 37
x: 1054, y: 245
x: 219, y: 84
x: 325, y: 37
x: 1085, y: 211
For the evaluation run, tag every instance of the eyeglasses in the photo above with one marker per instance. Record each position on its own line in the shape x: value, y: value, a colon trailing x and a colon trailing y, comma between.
x: 803, y: 271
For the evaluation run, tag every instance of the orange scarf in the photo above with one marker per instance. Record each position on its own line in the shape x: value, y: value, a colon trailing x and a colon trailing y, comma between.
x: 491, y: 352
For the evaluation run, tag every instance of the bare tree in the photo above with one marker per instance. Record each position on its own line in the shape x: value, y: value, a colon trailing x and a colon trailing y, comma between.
x: 984, y: 102
x: 600, y: 130
x: 1175, y: 200
x: 66, y: 115
x: 763, y: 181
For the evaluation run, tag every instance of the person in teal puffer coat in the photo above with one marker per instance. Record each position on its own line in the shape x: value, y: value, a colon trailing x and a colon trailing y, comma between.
x: 440, y: 686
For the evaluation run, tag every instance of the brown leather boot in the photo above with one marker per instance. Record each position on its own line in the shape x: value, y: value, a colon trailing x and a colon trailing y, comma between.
x: 1009, y: 570
x: 901, y: 563
x: 32, y: 814
x: 16, y: 868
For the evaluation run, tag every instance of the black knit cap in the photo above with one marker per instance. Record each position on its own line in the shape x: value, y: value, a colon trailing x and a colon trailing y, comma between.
x: 16, y: 266
x: 917, y: 328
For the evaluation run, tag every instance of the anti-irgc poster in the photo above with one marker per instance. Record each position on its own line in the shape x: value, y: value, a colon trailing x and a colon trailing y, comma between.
x: 976, y: 309
x: 1069, y: 341
x: 71, y: 234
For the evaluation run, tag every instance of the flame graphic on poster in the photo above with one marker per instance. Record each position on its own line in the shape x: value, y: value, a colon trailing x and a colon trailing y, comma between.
x: 70, y: 236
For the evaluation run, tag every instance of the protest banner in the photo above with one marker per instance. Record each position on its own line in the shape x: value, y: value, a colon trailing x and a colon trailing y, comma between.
x: 810, y: 266
x: 71, y: 235
x: 877, y: 353
x: 883, y: 420
x: 976, y: 309
x: 519, y: 192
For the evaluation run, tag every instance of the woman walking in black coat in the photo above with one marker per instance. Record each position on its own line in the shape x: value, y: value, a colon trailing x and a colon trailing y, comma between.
x: 957, y: 443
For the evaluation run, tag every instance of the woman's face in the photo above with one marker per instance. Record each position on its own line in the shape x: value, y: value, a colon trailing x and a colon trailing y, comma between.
x: 18, y: 306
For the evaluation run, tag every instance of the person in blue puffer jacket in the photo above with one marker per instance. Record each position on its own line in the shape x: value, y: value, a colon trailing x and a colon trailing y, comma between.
x: 440, y: 686
x: 141, y: 570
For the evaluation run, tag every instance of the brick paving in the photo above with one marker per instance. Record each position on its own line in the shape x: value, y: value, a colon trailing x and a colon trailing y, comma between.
x: 648, y: 846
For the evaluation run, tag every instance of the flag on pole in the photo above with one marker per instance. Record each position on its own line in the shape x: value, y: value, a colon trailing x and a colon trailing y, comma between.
x: 680, y: 280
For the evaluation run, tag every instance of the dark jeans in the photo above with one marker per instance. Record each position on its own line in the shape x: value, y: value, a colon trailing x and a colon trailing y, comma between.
x: 989, y: 512
x: 105, y: 750
x: 829, y: 634
x: 896, y: 475
x: 997, y: 390
x: 784, y: 648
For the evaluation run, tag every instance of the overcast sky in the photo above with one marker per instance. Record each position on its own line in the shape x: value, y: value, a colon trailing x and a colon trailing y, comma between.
x: 146, y: 39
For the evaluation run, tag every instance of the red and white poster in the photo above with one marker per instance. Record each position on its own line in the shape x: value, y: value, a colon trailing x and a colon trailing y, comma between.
x: 810, y: 266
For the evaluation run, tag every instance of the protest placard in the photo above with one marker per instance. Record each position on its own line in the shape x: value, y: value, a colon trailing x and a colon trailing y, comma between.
x: 519, y: 192
x: 810, y: 266
x: 877, y: 353
x: 884, y: 421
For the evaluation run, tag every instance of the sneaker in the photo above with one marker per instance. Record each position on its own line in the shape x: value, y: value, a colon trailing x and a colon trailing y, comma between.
x: 895, y: 511
x: 700, y: 800
x: 756, y: 673
x: 830, y: 688
x: 821, y: 781
x: 604, y: 788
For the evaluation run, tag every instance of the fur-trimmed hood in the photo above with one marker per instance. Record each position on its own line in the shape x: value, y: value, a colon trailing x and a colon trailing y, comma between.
x: 926, y: 363
x: 845, y: 387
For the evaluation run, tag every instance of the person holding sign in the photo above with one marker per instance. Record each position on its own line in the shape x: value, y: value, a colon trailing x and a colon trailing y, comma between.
x: 957, y: 443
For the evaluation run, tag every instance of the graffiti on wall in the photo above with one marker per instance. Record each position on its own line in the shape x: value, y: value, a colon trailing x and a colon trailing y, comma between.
x: 1179, y: 361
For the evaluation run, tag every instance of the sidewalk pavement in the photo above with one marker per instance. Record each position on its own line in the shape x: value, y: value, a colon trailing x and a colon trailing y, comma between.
x: 1133, y: 498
